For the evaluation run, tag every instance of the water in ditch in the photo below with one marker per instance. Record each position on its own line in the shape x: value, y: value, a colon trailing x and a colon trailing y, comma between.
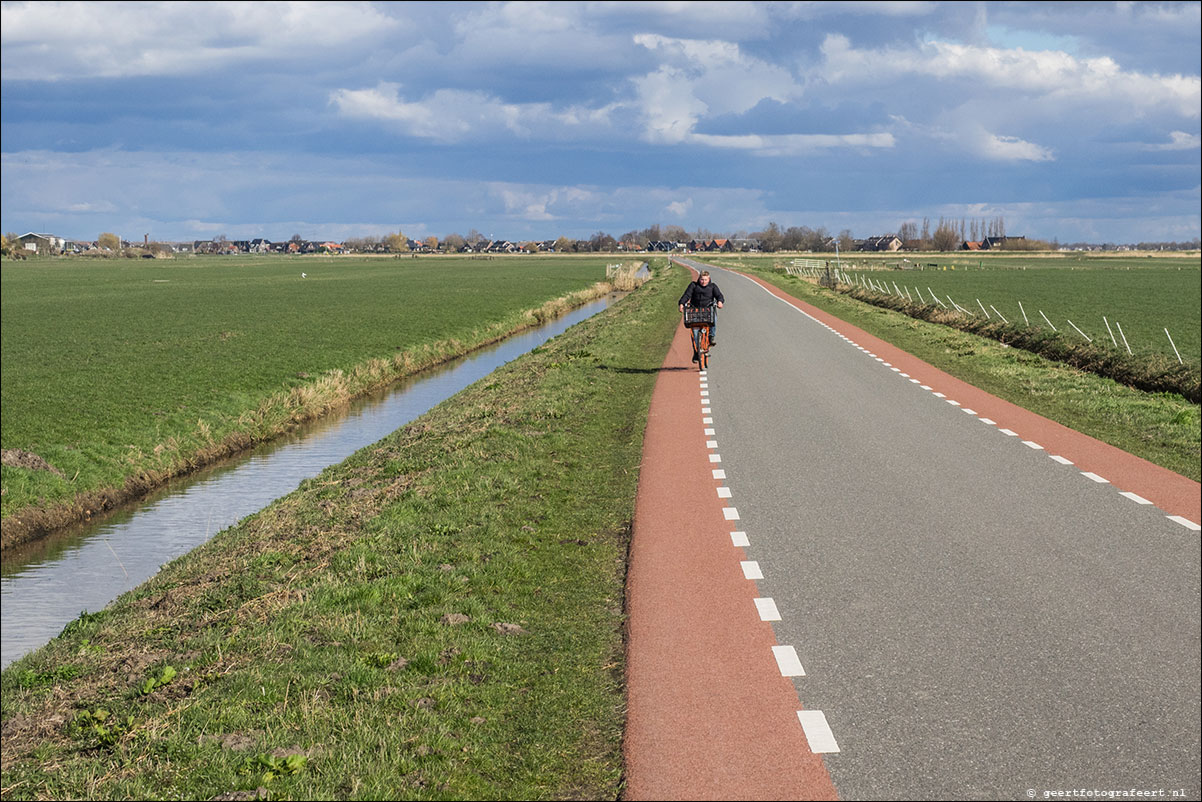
x: 46, y: 585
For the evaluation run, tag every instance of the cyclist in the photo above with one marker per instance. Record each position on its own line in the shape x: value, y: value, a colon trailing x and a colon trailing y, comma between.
x: 701, y: 293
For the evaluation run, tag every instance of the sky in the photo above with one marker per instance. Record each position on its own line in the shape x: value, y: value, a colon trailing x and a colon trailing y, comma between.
x: 1071, y: 121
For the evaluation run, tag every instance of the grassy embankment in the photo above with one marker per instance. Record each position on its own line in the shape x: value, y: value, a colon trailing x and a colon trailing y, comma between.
x: 122, y: 374
x: 1163, y: 428
x: 358, y: 638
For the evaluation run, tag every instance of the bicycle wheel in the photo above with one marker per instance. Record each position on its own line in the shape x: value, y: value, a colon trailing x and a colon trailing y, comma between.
x: 703, y: 347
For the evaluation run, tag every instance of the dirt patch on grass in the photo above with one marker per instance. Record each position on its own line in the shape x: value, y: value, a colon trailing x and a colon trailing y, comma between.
x: 16, y: 458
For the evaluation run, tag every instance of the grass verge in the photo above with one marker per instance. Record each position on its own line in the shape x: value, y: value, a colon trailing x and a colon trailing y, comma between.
x: 440, y: 616
x: 1163, y: 428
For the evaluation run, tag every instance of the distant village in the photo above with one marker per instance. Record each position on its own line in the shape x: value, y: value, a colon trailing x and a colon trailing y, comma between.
x: 42, y: 244
x: 45, y: 244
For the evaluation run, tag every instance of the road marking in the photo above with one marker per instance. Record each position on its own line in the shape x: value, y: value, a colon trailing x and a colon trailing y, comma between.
x: 730, y: 513
x: 938, y: 395
x: 1008, y: 433
x: 705, y: 410
x: 817, y: 731
x: 707, y: 420
x: 723, y: 492
x: 953, y: 403
x: 1095, y: 477
x: 905, y: 375
x: 914, y: 381
x: 1135, y: 498
x: 969, y: 411
x: 1030, y: 444
x: 715, y: 457
x: 1060, y: 459
x: 711, y: 443
x: 705, y: 393
x: 925, y: 387
x: 988, y: 422
x: 751, y: 569
x: 878, y: 359
x: 897, y: 371
x: 719, y: 473
x: 704, y: 384
x: 739, y: 539
x: 709, y: 432
x: 767, y: 610
x: 788, y: 661
x: 1186, y: 522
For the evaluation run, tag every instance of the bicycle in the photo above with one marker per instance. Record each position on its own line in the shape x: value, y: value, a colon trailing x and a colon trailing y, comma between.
x: 700, y: 319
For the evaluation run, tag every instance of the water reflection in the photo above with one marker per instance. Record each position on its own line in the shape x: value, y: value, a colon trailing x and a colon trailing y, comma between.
x: 48, y: 584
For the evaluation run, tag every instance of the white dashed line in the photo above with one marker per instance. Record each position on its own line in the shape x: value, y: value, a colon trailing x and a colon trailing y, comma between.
x: 767, y: 610
x: 723, y: 492
x: 897, y: 371
x: 715, y: 457
x: 788, y: 661
x: 709, y: 432
x: 914, y: 381
x: 938, y: 395
x: 924, y: 386
x: 707, y: 420
x: 730, y: 513
x: 1060, y: 459
x: 739, y: 539
x: 1030, y: 444
x: 751, y: 569
x: 711, y: 443
x: 988, y: 422
x: 1135, y: 498
x: 1008, y: 433
x: 953, y: 403
x: 905, y: 375
x: 719, y: 473
x: 969, y: 411
x: 1186, y: 522
x: 705, y: 410
x: 1094, y: 477
x: 817, y: 731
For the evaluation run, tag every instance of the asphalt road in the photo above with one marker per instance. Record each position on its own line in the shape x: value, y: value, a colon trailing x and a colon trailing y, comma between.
x: 975, y: 619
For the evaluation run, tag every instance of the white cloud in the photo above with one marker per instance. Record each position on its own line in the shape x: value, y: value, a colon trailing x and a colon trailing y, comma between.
x: 1050, y: 74
x: 1179, y: 140
x: 793, y: 144
x: 55, y: 41
x: 454, y: 115
x: 680, y: 208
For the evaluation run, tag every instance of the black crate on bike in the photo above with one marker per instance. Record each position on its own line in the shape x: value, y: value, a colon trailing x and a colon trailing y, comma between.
x: 695, y: 316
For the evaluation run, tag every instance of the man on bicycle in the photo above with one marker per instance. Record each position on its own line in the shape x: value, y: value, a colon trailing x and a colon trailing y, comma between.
x: 703, y: 293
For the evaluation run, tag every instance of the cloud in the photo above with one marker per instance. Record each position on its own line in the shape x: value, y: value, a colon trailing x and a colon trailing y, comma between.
x: 69, y: 40
x: 454, y: 115
x: 1051, y: 74
x: 1178, y: 140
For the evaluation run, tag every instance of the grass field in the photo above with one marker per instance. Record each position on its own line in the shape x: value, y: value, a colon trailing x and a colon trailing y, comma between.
x: 438, y: 617
x: 1142, y: 295
x: 117, y: 370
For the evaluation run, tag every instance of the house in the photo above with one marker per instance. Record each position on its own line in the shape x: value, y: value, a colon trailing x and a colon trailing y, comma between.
x: 745, y: 245
x: 887, y: 242
x: 970, y: 246
x: 995, y: 243
x: 42, y: 243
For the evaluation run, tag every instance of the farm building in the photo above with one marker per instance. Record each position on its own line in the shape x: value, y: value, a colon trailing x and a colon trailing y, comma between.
x: 42, y: 243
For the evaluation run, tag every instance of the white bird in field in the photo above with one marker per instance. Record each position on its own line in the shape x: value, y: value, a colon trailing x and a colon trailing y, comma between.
x: 303, y: 275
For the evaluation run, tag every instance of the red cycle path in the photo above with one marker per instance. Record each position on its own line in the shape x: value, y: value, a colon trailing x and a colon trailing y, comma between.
x: 709, y: 714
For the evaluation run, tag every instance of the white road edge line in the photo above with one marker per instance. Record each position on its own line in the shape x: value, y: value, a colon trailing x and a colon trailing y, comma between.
x: 818, y: 732
x: 719, y: 473
x: 723, y: 492
x: 1137, y: 499
x: 767, y: 609
x: 730, y: 513
x: 1186, y: 522
x: 739, y: 540
x: 751, y: 569
x: 787, y: 661
x: 1060, y: 459
x: 1094, y: 477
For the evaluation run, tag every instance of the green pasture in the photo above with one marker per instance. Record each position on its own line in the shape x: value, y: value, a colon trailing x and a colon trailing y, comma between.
x: 1143, y: 295
x: 110, y: 365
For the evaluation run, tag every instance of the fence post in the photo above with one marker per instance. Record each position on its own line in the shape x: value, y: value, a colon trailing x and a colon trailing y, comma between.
x: 1175, y: 351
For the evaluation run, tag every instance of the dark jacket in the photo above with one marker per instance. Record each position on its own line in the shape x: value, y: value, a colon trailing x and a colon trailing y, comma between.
x: 696, y: 295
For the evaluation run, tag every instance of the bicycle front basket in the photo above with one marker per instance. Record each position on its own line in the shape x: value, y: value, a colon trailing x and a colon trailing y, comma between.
x: 696, y: 316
